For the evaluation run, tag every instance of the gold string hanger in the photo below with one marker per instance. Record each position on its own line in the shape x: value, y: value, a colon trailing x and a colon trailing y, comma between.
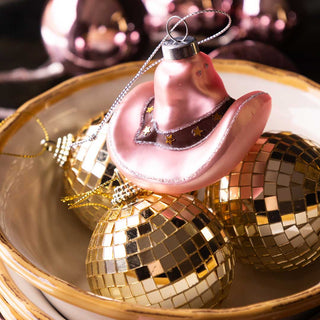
x: 118, y: 190
x: 60, y: 149
x: 28, y: 156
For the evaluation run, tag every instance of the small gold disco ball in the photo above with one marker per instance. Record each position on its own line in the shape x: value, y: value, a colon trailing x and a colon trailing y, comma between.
x: 269, y: 203
x: 161, y: 251
x: 88, y: 166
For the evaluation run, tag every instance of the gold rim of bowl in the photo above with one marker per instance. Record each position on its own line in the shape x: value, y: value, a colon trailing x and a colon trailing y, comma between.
x: 14, y: 304
x: 69, y: 293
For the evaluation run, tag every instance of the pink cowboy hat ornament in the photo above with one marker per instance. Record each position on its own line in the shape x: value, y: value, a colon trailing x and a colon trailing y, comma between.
x: 182, y: 131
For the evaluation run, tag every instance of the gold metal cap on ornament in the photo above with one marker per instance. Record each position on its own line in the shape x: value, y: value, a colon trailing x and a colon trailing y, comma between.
x: 60, y: 148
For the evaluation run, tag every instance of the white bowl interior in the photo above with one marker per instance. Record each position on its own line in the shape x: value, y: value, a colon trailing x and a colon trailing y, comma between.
x: 42, y: 229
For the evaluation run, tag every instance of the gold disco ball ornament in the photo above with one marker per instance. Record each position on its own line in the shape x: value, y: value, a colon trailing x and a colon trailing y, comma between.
x: 269, y: 203
x: 160, y: 250
x: 89, y: 166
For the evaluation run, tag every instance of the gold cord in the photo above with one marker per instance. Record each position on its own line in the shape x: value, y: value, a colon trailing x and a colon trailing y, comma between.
x: 28, y: 156
x: 90, y: 204
x: 101, y: 190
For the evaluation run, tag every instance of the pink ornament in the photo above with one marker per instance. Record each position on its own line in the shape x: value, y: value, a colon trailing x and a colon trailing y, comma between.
x: 183, y: 132
x: 87, y: 35
x: 256, y: 52
x: 264, y: 20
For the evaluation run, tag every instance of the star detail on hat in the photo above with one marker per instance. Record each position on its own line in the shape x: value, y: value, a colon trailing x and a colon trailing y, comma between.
x: 170, y: 139
x: 196, y: 132
x: 217, y: 117
x: 149, y: 109
x: 146, y: 130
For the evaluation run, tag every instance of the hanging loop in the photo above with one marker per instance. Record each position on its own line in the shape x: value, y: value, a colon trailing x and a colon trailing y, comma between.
x: 170, y: 30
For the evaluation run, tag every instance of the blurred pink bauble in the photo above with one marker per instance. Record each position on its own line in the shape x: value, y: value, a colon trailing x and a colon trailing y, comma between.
x: 264, y: 20
x: 87, y: 35
x: 158, y: 12
x: 256, y: 52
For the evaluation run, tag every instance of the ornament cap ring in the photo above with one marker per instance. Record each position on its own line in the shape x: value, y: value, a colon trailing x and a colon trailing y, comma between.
x: 181, y: 49
x: 177, y: 39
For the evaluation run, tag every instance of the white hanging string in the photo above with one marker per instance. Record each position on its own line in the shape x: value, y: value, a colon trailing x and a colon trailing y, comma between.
x: 145, y: 67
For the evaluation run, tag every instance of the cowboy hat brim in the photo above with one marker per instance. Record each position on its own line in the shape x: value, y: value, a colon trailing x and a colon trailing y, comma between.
x: 178, y: 171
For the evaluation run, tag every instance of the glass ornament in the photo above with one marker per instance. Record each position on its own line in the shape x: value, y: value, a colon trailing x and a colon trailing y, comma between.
x: 254, y: 51
x: 271, y: 21
x: 174, y: 134
x: 162, y: 251
x: 269, y: 203
x: 82, y: 36
x: 88, y: 35
x: 87, y: 168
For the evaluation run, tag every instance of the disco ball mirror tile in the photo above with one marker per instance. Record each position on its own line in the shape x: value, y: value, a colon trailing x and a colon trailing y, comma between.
x: 88, y: 166
x: 269, y: 203
x: 161, y: 251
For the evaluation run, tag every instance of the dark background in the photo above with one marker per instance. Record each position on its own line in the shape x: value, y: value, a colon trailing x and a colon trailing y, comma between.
x: 21, y: 45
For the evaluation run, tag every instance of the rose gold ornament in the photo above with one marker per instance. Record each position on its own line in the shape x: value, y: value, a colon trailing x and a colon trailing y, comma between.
x: 264, y: 20
x: 86, y: 35
x: 269, y: 203
x: 82, y: 36
x: 162, y: 251
x: 256, y: 52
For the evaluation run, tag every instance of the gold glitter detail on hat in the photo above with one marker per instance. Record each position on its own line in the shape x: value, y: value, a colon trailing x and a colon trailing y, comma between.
x: 269, y: 203
x: 161, y: 251
x: 196, y: 132
x: 150, y: 109
x: 170, y: 139
x: 217, y: 117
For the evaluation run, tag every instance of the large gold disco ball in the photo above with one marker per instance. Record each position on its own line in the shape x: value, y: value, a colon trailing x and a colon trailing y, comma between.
x: 163, y: 251
x: 269, y: 203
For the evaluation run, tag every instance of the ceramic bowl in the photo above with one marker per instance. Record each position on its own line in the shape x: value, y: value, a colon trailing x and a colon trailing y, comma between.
x: 45, y: 244
x: 20, y: 300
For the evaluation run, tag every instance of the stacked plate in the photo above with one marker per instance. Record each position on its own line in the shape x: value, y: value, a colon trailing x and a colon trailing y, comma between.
x: 43, y: 246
